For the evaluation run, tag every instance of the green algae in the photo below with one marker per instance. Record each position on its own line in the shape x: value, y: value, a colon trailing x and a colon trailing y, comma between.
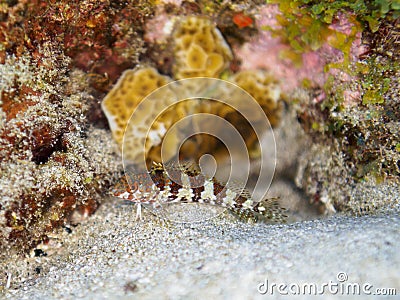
x: 375, y: 79
x: 306, y: 26
x: 356, y: 118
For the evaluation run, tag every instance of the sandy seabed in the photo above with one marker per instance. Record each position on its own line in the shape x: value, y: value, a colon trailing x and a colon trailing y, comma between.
x: 112, y: 256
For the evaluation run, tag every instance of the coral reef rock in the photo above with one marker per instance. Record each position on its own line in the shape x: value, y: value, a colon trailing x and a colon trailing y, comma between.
x: 52, y: 163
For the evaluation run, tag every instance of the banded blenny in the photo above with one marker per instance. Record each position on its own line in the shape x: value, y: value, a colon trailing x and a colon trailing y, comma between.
x: 193, y: 187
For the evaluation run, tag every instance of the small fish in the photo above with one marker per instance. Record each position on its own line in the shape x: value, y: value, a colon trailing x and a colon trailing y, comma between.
x: 241, y: 20
x: 193, y: 187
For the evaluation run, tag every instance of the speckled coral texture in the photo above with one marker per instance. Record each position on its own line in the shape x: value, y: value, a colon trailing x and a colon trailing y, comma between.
x: 56, y: 155
x: 52, y: 163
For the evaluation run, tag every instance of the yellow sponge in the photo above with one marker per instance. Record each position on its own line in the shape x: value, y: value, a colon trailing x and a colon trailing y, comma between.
x: 119, y: 104
x: 145, y: 133
x: 200, y: 49
x: 264, y: 88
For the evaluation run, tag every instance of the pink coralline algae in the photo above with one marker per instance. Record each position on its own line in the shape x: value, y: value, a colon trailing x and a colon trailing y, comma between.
x: 267, y: 51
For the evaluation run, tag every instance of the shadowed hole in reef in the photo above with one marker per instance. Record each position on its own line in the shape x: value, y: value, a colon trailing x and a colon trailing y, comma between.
x: 42, y: 154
